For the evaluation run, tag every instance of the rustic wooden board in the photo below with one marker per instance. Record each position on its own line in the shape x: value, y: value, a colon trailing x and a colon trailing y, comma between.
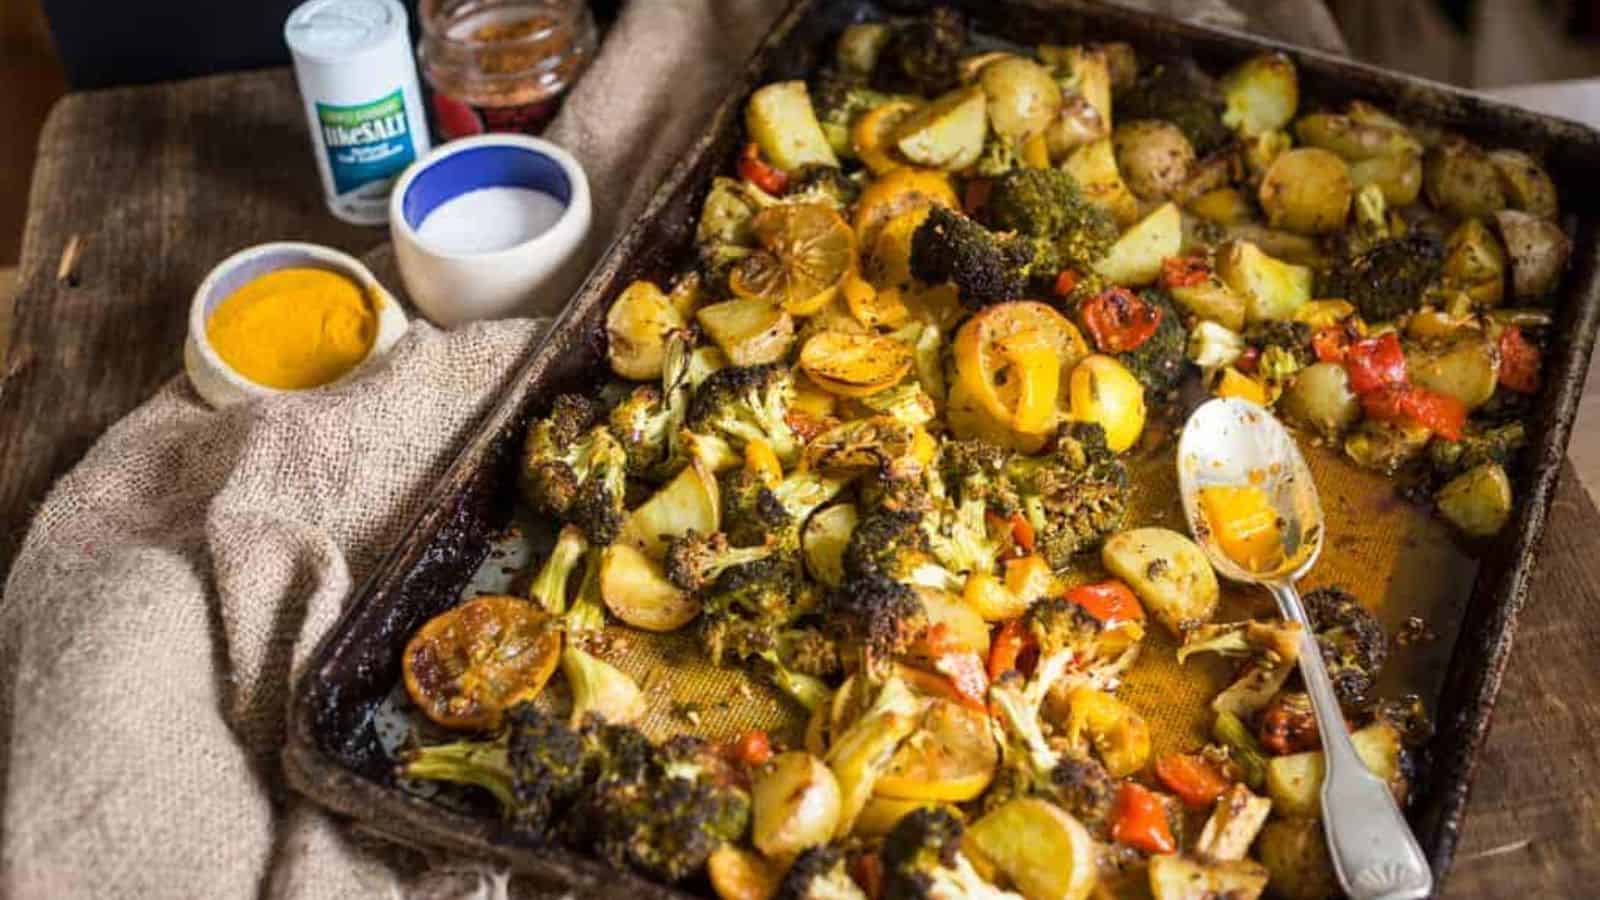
x: 157, y: 183
x: 160, y: 182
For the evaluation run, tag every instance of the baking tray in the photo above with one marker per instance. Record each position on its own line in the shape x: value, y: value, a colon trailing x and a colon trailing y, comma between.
x: 338, y: 746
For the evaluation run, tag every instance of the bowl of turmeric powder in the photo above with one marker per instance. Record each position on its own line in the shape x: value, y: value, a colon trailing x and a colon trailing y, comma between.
x: 283, y: 317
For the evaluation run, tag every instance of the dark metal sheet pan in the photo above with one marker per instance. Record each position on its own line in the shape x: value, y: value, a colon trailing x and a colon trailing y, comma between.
x: 335, y: 753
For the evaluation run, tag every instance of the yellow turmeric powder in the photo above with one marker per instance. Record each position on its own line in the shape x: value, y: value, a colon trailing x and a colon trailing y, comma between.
x: 294, y: 328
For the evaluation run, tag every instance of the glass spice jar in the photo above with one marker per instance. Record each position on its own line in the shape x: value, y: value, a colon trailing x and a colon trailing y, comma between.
x: 501, y: 65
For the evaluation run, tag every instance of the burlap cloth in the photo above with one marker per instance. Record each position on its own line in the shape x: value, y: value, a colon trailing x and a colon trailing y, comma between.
x: 173, y: 582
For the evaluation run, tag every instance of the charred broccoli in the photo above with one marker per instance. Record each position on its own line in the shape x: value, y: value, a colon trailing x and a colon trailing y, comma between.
x: 878, y: 619
x: 649, y: 418
x: 1159, y: 361
x: 534, y: 769
x: 746, y: 616
x: 740, y: 404
x: 974, y: 469
x: 754, y: 512
x: 1182, y: 94
x: 1030, y: 766
x: 1497, y: 444
x: 1075, y: 496
x: 1047, y: 203
x: 819, y: 874
x: 1390, y: 279
x: 923, y: 56
x: 695, y: 560
x: 574, y: 469
x: 549, y: 588
x: 893, y: 544
x: 922, y: 860
x: 984, y: 267
x: 659, y: 812
x: 1354, y: 645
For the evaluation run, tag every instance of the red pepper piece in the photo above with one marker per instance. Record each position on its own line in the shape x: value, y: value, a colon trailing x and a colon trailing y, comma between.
x: 759, y: 172
x: 1119, y: 320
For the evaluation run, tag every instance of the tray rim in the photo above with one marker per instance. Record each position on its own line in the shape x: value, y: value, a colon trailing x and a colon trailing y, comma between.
x: 1494, y: 604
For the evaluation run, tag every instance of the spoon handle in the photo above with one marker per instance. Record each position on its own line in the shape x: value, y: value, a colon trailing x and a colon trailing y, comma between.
x: 1373, y: 850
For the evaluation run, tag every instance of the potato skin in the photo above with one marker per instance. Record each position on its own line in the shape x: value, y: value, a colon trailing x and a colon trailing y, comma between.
x: 1154, y: 156
x: 1460, y: 180
x: 1538, y: 249
x: 1528, y: 186
x: 1307, y: 190
x: 1168, y: 572
x: 1023, y: 98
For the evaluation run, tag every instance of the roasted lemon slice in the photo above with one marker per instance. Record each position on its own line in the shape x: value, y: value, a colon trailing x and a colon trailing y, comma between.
x: 896, y: 193
x: 872, y: 136
x: 465, y: 667
x: 1012, y: 361
x: 854, y: 365
x: 952, y: 757
x: 807, y: 251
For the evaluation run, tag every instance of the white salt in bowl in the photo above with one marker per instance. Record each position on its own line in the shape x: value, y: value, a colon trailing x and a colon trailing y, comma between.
x: 449, y: 278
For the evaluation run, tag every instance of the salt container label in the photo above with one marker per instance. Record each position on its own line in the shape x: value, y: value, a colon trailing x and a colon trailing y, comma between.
x: 367, y: 142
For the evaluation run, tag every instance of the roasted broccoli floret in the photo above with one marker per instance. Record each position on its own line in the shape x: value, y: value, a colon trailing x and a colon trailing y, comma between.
x: 819, y: 874
x: 892, y: 543
x: 746, y: 616
x: 534, y: 769
x: 1271, y: 649
x: 657, y: 812
x: 1030, y: 766
x: 974, y: 469
x: 1047, y: 203
x: 649, y: 418
x: 587, y: 614
x: 922, y: 860
x: 1159, y: 362
x: 824, y: 184
x: 1076, y: 648
x: 1497, y: 444
x: 923, y: 56
x: 741, y: 404
x: 984, y: 267
x: 878, y: 619
x: 1293, y: 338
x: 575, y: 470
x: 1354, y: 645
x: 549, y: 588
x: 1182, y: 94
x: 1075, y: 496
x: 754, y: 512
x: 694, y: 560
x: 1390, y: 279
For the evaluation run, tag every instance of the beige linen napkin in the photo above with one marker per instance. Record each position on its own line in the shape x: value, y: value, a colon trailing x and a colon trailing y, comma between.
x: 173, y: 583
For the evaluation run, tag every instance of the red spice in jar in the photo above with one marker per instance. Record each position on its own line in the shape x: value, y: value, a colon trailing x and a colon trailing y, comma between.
x: 501, y: 65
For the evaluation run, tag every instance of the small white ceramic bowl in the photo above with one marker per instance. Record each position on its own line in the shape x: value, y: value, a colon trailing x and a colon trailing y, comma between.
x: 454, y: 288
x: 217, y: 382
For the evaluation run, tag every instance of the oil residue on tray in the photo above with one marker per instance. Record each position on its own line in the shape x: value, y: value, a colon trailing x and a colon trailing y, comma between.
x: 1395, y: 556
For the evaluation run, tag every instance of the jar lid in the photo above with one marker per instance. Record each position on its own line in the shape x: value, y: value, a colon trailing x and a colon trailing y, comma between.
x: 327, y: 30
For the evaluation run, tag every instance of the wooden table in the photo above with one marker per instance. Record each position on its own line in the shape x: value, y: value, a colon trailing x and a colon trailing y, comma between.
x: 159, y: 183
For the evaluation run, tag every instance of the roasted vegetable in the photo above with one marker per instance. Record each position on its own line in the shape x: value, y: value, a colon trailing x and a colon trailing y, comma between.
x: 1271, y: 289
x: 861, y: 754
x: 1319, y: 398
x: 467, y: 666
x: 574, y: 469
x: 1527, y: 185
x: 637, y: 326
x: 1137, y: 256
x: 534, y: 769
x: 1047, y: 203
x: 1478, y: 501
x: 636, y: 591
x: 922, y: 56
x: 1168, y: 572
x: 1042, y: 851
x: 947, y: 133
x: 1475, y: 262
x: 1460, y: 180
x: 1022, y: 97
x: 1354, y: 645
x: 1102, y: 391
x: 599, y: 689
x: 984, y: 267
x: 1538, y: 249
x: 1260, y: 94
x: 818, y: 874
x: 1388, y: 280
x: 1176, y: 877
x: 794, y: 806
x: 751, y: 331
x: 1094, y: 167
x: 781, y: 120
x: 1307, y: 190
x: 1158, y: 361
x: 1031, y: 767
x: 1295, y: 853
x: 1294, y: 782
x: 1154, y: 156
x: 1183, y: 95
x: 923, y: 860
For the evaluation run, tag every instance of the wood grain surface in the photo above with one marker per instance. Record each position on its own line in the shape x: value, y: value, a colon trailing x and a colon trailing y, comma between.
x: 158, y: 183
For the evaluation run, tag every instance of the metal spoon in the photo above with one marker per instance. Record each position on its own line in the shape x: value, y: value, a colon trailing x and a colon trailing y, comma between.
x: 1234, y: 442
